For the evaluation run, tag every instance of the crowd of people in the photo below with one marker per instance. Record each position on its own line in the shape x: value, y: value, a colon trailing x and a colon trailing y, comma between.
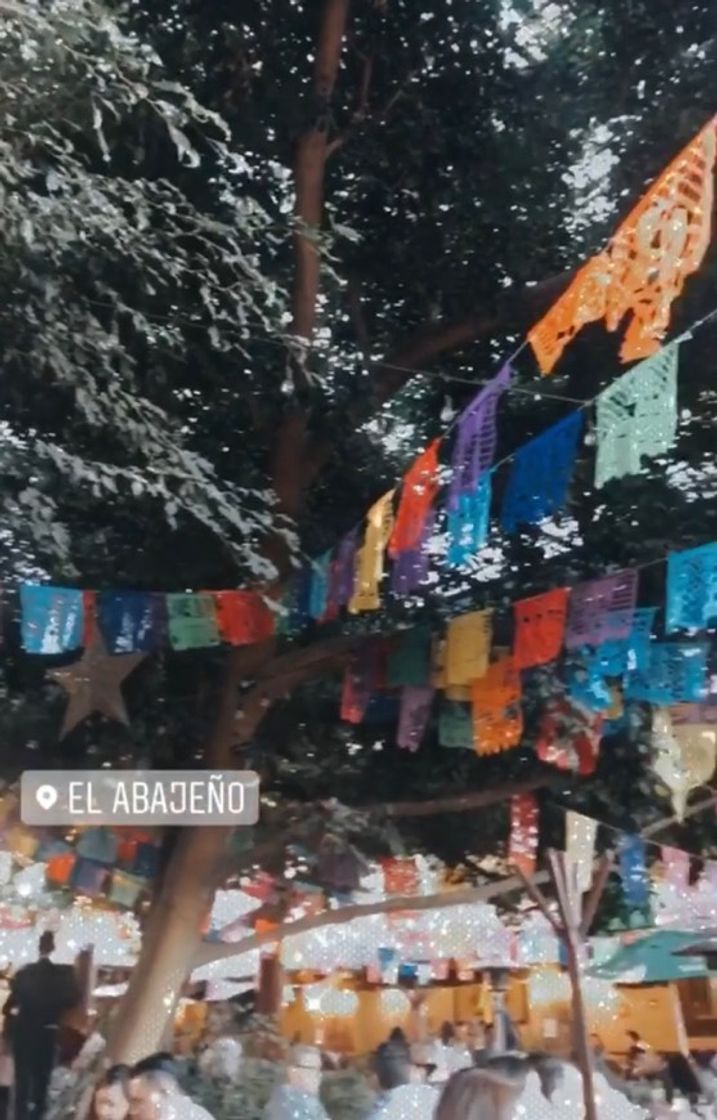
x: 466, y: 1072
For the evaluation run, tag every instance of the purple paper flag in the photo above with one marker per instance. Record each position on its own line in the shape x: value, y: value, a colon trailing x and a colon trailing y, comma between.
x: 601, y: 610
x: 344, y: 569
x: 475, y: 442
x: 415, y: 710
x: 410, y: 568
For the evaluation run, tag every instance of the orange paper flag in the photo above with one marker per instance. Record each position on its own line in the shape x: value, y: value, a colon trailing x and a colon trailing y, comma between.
x: 497, y: 714
x: 644, y: 267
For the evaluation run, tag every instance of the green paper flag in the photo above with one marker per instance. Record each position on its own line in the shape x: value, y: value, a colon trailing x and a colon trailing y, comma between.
x: 192, y: 621
x: 455, y: 725
x: 409, y: 663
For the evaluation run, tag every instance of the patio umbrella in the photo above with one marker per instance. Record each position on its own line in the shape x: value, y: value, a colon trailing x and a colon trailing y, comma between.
x: 653, y: 960
x: 702, y: 945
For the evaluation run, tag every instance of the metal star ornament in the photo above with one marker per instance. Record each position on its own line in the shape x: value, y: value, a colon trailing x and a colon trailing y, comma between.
x: 93, y: 684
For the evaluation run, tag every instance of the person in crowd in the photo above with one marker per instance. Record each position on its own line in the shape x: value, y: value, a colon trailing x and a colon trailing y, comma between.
x: 403, y: 1091
x: 154, y: 1092
x: 40, y: 994
x: 636, y: 1050
x: 111, y: 1099
x: 298, y: 1097
x: 222, y: 1059
x: 397, y: 1039
x: 452, y: 1051
x: 490, y: 1092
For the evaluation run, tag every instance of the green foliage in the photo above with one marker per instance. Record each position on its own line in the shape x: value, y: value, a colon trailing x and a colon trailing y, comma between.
x: 480, y: 145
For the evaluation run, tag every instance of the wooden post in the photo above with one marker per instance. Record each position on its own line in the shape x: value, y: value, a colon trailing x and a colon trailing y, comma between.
x: 573, y: 926
x: 271, y: 985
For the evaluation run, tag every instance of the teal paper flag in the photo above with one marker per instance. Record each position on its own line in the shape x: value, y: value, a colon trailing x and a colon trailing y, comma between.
x: 192, y: 621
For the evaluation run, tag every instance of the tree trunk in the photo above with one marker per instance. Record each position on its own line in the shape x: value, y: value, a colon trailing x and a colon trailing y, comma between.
x: 169, y: 944
x: 183, y: 902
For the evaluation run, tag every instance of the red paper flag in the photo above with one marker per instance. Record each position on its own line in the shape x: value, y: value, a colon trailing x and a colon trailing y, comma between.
x: 400, y: 876
x: 420, y: 486
x: 539, y: 627
x: 243, y: 617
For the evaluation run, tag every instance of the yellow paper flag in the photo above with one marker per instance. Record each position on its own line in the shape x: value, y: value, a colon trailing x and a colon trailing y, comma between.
x: 370, y: 557
x: 468, y: 647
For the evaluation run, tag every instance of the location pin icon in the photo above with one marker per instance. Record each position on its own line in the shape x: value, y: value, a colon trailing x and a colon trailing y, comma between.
x: 46, y: 796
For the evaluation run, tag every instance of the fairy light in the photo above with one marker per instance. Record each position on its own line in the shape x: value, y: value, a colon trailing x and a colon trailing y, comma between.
x: 338, y: 1002
x: 547, y: 985
x: 394, y: 1002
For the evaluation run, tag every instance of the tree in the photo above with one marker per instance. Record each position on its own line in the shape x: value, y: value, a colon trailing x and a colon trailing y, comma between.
x: 471, y: 213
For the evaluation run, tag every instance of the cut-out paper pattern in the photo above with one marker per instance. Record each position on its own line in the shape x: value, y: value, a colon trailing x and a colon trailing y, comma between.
x: 467, y: 651
x: 128, y: 620
x: 523, y: 845
x: 636, y: 416
x: 633, y: 870
x: 243, y: 617
x: 620, y: 655
x: 602, y: 609
x: 586, y: 683
x: 192, y: 621
x: 540, y: 474
x: 644, y: 267
x: 692, y: 588
x: 469, y: 522
x: 580, y: 836
x: 342, y: 576
x: 415, y: 711
x: 455, y: 725
x: 409, y: 658
x: 52, y: 618
x: 412, y: 567
x: 675, y: 672
x: 569, y: 736
x: 497, y: 713
x: 419, y: 488
x: 539, y: 627
x: 370, y: 556
x: 475, y: 441
x: 319, y: 594
x: 400, y: 876
x: 360, y: 682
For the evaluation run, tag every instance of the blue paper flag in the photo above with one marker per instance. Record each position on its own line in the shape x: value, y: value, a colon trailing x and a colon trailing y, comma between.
x: 52, y: 618
x: 633, y: 870
x: 319, y: 593
x: 622, y: 655
x: 676, y: 672
x: 128, y: 620
x: 586, y: 683
x: 99, y: 845
x: 540, y: 474
x: 469, y: 522
x: 692, y: 589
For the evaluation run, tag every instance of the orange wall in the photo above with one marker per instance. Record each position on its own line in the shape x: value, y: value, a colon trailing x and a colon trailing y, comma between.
x: 653, y: 1011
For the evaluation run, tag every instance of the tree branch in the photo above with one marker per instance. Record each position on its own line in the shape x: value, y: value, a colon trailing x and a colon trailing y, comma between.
x: 516, y: 312
x: 211, y: 951
x: 476, y: 799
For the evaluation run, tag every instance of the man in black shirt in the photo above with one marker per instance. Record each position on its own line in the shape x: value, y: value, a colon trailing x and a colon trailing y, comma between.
x: 40, y: 994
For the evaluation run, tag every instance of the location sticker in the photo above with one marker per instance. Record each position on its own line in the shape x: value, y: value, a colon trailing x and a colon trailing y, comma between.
x: 46, y: 797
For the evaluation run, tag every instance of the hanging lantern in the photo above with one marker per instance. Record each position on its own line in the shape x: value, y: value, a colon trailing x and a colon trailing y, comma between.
x: 394, y: 1003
